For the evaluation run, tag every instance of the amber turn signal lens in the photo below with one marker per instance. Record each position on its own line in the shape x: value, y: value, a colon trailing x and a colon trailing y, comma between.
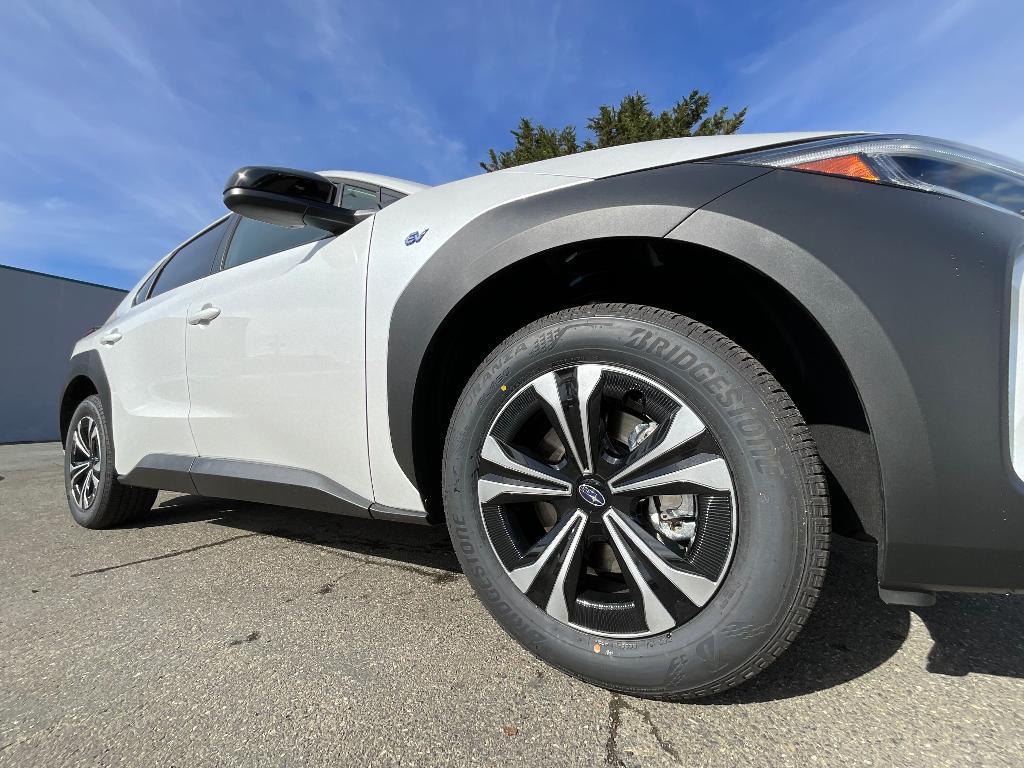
x: 845, y: 165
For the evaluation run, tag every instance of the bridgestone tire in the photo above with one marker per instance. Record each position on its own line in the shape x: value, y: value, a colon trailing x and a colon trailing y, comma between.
x: 781, y: 501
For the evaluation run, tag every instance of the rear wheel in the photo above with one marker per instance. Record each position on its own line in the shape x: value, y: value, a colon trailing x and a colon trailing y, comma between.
x: 95, y: 497
x: 637, y: 501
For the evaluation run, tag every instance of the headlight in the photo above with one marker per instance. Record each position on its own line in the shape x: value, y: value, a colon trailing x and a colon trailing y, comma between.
x: 906, y: 161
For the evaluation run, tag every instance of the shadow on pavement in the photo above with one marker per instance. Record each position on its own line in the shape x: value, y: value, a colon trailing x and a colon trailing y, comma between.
x: 418, y: 545
x: 850, y: 632
x: 976, y: 633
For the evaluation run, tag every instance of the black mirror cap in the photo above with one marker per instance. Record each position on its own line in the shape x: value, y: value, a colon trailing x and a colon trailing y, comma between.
x: 288, y: 198
x: 283, y: 181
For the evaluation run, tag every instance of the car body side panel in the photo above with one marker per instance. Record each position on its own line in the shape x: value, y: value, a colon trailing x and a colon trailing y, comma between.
x: 914, y: 291
x: 277, y: 377
x: 436, y: 214
x: 146, y: 373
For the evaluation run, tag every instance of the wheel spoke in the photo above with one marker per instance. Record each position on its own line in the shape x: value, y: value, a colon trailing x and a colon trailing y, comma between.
x: 80, y: 445
x: 573, y: 405
x: 76, y: 468
x: 558, y: 606
x: 523, y: 478
x: 684, y: 426
x: 541, y: 552
x: 656, y: 615
x: 87, y: 490
x: 704, y: 473
x: 697, y: 589
x: 517, y: 462
x: 506, y: 491
x: 94, y: 484
x: 84, y: 428
x: 588, y: 382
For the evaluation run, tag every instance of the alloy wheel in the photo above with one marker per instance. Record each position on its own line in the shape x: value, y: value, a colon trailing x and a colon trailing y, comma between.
x: 86, y: 462
x: 608, y: 501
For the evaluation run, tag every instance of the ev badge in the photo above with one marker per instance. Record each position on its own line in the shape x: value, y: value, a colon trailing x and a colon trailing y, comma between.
x: 591, y: 495
x: 415, y: 237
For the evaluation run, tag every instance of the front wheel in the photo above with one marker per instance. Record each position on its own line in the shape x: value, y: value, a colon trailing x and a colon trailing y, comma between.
x: 637, y: 501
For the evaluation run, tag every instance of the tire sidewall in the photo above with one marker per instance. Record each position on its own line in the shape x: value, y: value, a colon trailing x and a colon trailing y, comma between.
x: 772, y: 544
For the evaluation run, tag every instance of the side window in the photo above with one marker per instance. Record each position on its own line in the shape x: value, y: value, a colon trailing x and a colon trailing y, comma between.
x: 143, y: 293
x: 358, y: 199
x: 191, y: 262
x: 255, y: 239
x: 388, y: 196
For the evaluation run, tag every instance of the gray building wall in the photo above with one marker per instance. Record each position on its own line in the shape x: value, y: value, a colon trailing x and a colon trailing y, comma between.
x: 41, y: 318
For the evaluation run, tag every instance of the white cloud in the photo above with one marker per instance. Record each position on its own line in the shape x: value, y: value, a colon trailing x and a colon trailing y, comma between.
x: 944, y: 70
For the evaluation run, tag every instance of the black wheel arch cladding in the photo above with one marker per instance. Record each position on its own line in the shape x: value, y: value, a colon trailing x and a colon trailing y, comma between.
x: 644, y: 204
x: 913, y: 290
x: 85, y: 376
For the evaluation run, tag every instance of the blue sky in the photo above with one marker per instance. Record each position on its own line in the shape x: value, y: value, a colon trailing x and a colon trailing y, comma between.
x: 120, y: 121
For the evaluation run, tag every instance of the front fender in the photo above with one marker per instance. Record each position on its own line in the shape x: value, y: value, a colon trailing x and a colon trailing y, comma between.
x: 644, y: 204
x: 913, y: 289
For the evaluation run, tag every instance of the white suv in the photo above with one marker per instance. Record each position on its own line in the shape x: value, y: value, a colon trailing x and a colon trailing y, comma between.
x: 640, y: 385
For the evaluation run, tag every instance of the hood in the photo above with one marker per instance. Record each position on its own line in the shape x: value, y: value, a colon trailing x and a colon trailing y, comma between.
x: 600, y: 163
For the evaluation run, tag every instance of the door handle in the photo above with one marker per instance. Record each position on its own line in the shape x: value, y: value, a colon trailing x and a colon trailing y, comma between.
x: 207, y: 314
x: 111, y: 338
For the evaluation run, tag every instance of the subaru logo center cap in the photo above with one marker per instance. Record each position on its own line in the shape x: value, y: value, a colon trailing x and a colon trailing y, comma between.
x: 591, y: 495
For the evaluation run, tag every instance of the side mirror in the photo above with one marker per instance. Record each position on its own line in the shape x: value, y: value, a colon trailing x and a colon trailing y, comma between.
x: 288, y: 198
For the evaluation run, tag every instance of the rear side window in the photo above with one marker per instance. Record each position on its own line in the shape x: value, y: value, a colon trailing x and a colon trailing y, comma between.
x: 359, y: 199
x: 387, y: 197
x: 255, y: 239
x: 191, y: 262
x: 147, y: 286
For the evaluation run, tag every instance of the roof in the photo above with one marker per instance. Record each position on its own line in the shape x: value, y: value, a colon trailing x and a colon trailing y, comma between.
x: 399, y: 185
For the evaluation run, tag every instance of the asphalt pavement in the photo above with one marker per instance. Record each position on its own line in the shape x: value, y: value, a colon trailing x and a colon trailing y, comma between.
x: 215, y: 633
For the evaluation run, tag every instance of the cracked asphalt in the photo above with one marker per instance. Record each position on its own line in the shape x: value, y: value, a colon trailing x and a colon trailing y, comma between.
x: 217, y: 633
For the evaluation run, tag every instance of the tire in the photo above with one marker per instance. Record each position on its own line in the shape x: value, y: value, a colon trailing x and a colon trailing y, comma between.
x: 741, y: 523
x: 95, y: 497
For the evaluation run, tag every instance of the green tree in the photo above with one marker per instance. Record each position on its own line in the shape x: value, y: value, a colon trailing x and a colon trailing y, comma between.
x: 633, y: 120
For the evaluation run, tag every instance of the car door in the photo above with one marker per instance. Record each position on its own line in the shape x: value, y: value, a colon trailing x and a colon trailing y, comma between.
x: 275, y: 356
x: 143, y: 355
